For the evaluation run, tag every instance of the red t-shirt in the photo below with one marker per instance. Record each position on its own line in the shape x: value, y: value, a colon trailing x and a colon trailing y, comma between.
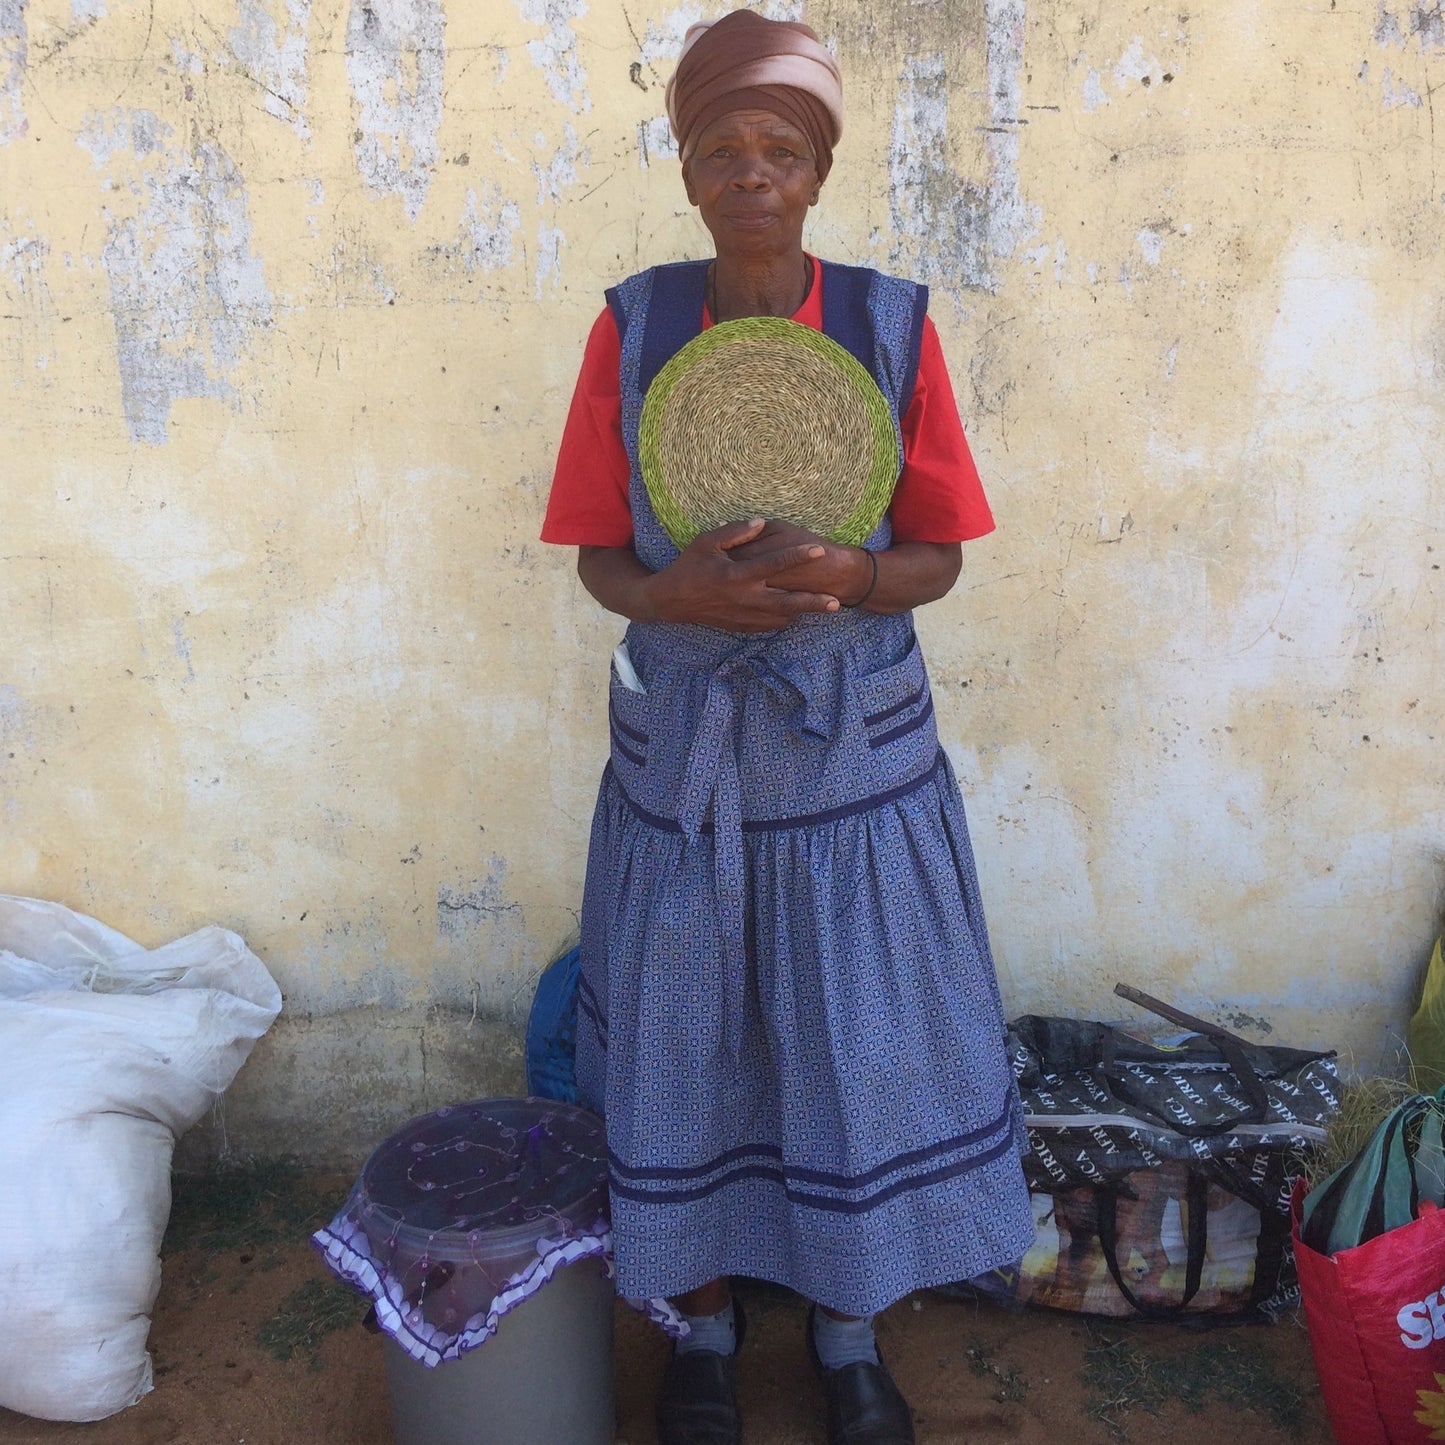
x: 938, y: 497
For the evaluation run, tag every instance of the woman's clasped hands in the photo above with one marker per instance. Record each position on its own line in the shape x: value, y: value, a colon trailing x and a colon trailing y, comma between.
x: 758, y: 575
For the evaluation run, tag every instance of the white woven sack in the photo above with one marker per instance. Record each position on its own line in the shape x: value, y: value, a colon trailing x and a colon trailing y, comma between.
x: 107, y: 1052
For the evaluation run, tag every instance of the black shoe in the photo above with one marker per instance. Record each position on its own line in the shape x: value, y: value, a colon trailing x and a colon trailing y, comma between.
x: 865, y: 1407
x: 699, y: 1404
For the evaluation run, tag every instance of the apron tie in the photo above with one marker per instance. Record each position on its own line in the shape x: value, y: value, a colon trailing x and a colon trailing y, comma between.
x: 710, y: 780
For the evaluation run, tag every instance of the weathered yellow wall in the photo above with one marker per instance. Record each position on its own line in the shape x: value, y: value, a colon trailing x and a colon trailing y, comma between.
x: 292, y: 293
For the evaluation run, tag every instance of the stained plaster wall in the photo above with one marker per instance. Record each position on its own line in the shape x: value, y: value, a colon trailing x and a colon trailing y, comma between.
x: 292, y: 294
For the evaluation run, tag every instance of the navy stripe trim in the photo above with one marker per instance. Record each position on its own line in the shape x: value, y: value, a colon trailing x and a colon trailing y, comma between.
x: 903, y: 729
x: 619, y: 311
x: 846, y: 318
x: 915, y: 350
x: 877, y: 717
x: 800, y: 820
x: 633, y: 757
x: 599, y: 1024
x: 826, y: 1177
x: 674, y: 316
x: 807, y: 1198
x: 626, y: 731
x: 587, y: 1002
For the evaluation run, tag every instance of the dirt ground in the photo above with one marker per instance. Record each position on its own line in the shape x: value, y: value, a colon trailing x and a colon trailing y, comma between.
x: 254, y: 1344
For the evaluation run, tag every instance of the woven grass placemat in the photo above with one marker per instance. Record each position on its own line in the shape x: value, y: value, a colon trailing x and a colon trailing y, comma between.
x: 765, y: 417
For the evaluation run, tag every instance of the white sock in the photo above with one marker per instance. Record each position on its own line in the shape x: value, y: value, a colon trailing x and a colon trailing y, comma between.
x: 710, y: 1332
x: 844, y: 1342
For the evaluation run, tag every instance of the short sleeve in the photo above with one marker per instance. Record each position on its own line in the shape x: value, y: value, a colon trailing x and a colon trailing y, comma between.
x: 939, y: 497
x: 588, y: 505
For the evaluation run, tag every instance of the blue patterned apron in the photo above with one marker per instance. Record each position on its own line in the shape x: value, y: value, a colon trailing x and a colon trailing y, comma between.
x: 789, y: 1015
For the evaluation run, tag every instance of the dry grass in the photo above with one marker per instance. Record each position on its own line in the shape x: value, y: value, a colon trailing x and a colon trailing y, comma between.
x: 1363, y: 1108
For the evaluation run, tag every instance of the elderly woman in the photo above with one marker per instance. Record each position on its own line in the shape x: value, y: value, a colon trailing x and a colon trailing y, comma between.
x: 789, y: 1015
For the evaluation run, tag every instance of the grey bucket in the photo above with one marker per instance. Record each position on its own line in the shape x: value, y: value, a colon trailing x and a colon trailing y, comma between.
x: 455, y: 1209
x: 545, y: 1377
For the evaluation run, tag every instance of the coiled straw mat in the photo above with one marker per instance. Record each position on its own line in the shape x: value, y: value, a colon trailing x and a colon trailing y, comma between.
x: 764, y: 417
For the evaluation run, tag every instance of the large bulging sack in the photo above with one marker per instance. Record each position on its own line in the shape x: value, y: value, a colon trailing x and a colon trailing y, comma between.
x: 108, y: 1051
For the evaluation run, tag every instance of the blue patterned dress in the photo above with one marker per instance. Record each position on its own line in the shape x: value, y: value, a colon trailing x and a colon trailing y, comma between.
x: 788, y: 1011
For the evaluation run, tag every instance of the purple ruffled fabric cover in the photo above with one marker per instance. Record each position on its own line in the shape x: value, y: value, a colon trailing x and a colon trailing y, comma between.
x: 465, y: 1213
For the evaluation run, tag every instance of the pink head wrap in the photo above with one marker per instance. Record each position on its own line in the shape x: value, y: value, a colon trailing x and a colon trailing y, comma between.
x: 745, y: 62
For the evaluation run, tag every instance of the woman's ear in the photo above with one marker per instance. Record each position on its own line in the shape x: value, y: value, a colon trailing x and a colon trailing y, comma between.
x: 687, y: 183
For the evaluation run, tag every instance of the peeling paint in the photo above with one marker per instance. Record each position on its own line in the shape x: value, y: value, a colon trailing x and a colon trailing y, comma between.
x: 182, y: 645
x: 940, y: 226
x: 654, y: 141
x: 461, y: 909
x: 949, y: 230
x: 27, y: 301
x: 490, y: 226
x: 1151, y: 246
x: 560, y: 172
x: 186, y: 60
x: 270, y: 44
x: 1425, y: 21
x: 556, y: 176
x: 17, y: 724
x: 556, y: 55
x: 662, y: 40
x: 12, y: 69
x: 104, y: 135
x: 355, y: 277
x: 1395, y: 92
x: 1011, y: 221
x: 395, y: 62
x: 187, y: 295
x: 550, y: 242
x: 1428, y: 22
x: 1387, y: 29
x: 1132, y: 66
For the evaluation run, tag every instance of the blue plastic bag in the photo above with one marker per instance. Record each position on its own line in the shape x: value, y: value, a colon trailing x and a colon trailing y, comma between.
x: 552, y: 1032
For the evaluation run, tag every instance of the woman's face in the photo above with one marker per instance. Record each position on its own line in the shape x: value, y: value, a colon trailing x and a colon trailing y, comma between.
x: 753, y: 177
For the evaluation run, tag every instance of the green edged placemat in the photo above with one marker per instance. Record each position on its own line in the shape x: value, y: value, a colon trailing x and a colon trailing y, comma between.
x: 765, y: 417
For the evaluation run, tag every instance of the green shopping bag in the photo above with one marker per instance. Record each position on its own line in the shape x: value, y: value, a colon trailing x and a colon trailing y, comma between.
x: 1383, y: 1187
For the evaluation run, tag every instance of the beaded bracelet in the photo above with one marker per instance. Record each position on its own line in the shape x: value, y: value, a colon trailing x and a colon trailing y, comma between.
x: 873, y: 558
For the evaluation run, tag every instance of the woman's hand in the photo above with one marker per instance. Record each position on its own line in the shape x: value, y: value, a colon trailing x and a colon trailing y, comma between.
x: 909, y: 573
x: 758, y: 576
x: 710, y: 583
x: 831, y: 567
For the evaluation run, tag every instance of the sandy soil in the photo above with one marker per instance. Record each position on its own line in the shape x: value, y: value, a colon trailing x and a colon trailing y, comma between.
x: 238, y: 1297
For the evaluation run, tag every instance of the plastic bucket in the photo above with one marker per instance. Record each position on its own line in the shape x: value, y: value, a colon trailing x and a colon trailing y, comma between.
x: 478, y: 1232
x: 545, y: 1377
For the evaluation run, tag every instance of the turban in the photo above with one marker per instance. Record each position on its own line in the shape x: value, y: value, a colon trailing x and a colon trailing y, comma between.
x: 746, y: 62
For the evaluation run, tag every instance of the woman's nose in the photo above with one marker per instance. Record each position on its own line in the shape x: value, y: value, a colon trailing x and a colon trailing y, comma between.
x: 750, y: 175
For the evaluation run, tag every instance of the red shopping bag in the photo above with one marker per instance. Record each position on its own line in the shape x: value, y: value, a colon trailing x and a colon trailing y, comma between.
x: 1376, y: 1318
